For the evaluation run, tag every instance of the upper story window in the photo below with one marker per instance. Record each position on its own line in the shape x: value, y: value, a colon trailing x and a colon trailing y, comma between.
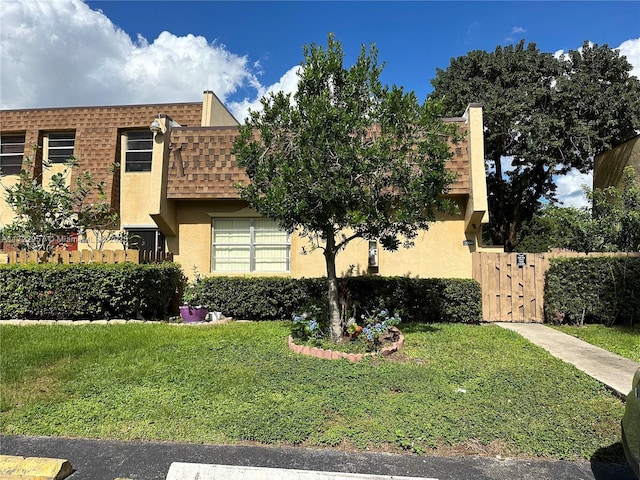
x: 139, y: 151
x: 11, y: 153
x: 60, y: 146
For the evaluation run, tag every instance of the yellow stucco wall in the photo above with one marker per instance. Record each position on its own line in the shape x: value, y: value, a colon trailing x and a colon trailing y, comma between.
x: 439, y: 252
x: 140, y: 192
x: 191, y: 245
x: 214, y: 113
x: 6, y: 213
x: 135, y: 194
x: 477, y: 208
x: 54, y: 169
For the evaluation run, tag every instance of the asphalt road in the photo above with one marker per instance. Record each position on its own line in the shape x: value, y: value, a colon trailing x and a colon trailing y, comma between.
x: 110, y: 460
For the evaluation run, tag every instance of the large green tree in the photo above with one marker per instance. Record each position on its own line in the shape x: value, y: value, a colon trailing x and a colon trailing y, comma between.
x: 346, y: 157
x: 543, y: 116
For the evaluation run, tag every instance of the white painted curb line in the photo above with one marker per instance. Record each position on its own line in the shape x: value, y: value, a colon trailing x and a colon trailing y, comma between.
x: 198, y: 471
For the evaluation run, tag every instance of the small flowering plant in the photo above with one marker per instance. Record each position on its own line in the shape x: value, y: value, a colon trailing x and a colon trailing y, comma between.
x: 377, y: 324
x: 307, y: 326
x: 193, y: 291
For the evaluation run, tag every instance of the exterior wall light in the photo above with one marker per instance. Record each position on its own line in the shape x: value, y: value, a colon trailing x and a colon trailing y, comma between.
x: 155, y: 127
x: 373, y: 253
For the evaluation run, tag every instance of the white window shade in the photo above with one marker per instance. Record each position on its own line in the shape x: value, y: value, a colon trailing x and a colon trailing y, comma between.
x: 249, y: 245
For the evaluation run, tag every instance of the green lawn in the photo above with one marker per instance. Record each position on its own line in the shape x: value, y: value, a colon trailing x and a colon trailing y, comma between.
x: 453, y: 389
x: 624, y: 341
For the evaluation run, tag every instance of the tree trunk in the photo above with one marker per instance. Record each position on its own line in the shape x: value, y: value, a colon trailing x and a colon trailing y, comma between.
x: 335, y: 322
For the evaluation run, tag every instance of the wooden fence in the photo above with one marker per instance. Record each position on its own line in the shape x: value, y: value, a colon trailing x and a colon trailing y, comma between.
x: 513, y: 283
x: 89, y: 256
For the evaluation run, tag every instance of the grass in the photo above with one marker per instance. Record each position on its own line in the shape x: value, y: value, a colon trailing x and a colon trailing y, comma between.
x: 453, y: 389
x: 624, y: 341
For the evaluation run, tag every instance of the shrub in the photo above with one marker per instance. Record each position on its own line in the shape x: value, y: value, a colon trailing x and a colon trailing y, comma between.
x: 600, y: 290
x: 418, y: 300
x: 88, y: 291
x: 260, y: 298
x: 275, y: 298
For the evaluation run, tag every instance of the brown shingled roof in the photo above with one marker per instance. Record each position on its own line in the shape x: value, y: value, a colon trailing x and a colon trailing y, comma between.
x: 97, y: 145
x: 201, y: 165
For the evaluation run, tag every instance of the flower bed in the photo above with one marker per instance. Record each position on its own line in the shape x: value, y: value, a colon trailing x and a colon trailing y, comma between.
x: 395, y: 343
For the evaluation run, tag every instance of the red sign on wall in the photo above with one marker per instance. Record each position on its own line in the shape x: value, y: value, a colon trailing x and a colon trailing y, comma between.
x: 65, y: 242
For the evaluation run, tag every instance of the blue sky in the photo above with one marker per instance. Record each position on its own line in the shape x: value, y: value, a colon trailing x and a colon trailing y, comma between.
x: 413, y: 38
x: 72, y: 53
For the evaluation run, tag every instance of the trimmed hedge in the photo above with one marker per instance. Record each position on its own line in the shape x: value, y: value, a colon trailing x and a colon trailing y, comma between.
x: 259, y: 298
x: 88, y: 291
x: 599, y: 290
x: 416, y: 300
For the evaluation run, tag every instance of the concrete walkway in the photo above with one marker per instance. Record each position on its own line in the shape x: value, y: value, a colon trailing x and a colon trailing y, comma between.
x: 614, y: 371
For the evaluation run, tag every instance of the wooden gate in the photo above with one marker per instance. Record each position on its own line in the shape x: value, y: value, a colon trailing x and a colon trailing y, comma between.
x: 512, y: 285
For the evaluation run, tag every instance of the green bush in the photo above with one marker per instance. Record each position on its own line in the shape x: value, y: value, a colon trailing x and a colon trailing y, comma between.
x: 598, y: 290
x: 88, y: 291
x: 275, y: 298
x: 259, y: 298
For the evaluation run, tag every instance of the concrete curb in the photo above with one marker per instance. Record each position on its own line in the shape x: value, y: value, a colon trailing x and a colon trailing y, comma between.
x: 114, y: 321
x: 33, y: 468
x: 198, y: 471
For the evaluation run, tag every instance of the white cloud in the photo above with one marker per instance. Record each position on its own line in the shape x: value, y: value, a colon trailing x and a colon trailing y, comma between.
x: 288, y: 83
x: 64, y: 53
x: 631, y: 50
x: 569, y: 188
x: 514, y: 31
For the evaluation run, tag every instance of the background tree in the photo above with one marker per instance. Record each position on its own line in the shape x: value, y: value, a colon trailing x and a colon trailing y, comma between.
x: 94, y: 212
x: 346, y: 158
x: 616, y: 213
x: 612, y: 224
x: 570, y: 228
x: 543, y: 116
x: 44, y: 213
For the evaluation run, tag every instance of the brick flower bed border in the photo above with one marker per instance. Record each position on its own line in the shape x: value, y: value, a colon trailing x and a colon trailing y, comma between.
x: 352, y: 357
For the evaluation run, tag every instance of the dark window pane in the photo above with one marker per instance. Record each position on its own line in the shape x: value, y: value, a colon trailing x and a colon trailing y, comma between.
x: 142, y: 140
x: 139, y: 151
x: 60, y: 146
x: 8, y: 169
x: 12, y: 148
x: 13, y: 138
x: 146, y: 239
x: 11, y: 153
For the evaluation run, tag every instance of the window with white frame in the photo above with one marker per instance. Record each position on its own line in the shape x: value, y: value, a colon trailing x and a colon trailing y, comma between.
x: 249, y: 245
x: 139, y: 151
x: 60, y: 146
x: 11, y: 153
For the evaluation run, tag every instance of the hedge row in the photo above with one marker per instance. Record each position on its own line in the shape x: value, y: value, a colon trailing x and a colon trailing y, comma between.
x: 88, y: 291
x: 416, y: 300
x: 599, y: 290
